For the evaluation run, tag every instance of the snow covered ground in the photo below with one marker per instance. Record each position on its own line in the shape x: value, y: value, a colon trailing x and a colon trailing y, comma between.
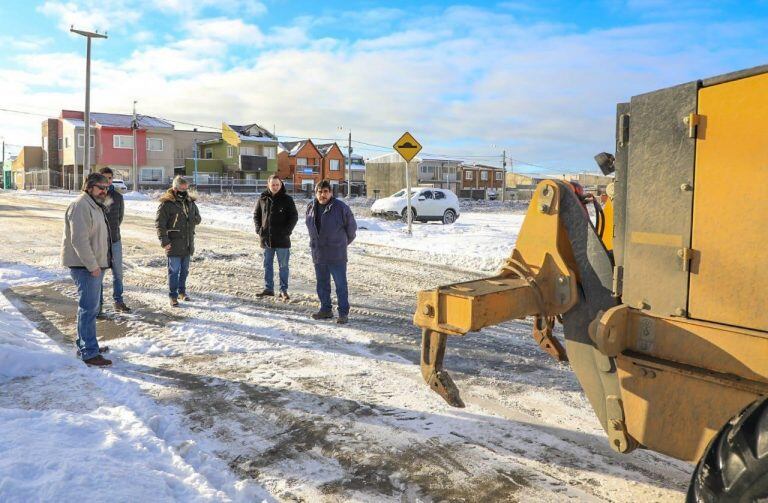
x: 238, y: 398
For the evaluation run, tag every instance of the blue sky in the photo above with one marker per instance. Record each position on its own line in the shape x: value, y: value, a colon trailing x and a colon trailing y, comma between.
x: 469, y: 79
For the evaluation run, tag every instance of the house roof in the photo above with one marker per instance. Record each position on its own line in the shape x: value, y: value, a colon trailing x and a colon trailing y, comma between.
x: 121, y: 121
x: 252, y: 132
x: 324, y: 148
x: 293, y: 147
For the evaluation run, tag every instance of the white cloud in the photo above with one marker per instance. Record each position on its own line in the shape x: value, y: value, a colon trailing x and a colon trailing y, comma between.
x: 190, y: 8
x: 232, y: 31
x: 91, y: 15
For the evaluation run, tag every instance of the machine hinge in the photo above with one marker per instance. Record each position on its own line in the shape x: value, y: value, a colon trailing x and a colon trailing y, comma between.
x: 623, y: 130
x: 686, y: 254
x: 618, y: 280
x: 692, y: 121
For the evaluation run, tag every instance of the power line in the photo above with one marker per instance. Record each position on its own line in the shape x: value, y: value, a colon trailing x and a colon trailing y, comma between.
x: 360, y: 142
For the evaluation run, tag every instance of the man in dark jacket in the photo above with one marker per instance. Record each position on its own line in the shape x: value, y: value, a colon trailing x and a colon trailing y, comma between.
x: 115, y: 212
x: 275, y: 217
x: 176, y: 219
x: 332, y: 228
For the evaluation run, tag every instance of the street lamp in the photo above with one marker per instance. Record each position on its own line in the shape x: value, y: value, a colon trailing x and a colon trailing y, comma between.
x: 87, y: 148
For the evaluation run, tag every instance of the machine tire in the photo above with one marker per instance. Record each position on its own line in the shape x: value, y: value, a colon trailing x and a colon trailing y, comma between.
x: 449, y: 217
x: 404, y: 214
x: 734, y: 467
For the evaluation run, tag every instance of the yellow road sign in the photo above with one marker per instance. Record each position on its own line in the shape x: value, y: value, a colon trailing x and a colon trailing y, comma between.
x: 407, y: 146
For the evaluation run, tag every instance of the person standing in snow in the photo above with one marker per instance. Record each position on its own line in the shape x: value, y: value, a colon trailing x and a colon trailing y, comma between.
x: 85, y: 249
x: 176, y: 219
x: 275, y: 216
x: 115, y: 214
x: 332, y: 228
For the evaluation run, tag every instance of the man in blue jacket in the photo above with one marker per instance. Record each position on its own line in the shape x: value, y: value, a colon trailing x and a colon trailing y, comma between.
x: 332, y: 228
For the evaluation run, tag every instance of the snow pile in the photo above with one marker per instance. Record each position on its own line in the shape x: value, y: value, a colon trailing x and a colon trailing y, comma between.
x: 24, y: 351
x: 69, y: 432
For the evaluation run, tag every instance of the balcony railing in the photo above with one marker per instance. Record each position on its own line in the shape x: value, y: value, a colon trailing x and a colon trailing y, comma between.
x: 308, y: 169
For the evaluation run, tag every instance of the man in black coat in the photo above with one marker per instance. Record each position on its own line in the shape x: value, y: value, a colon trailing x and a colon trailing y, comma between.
x: 275, y: 216
x: 115, y: 212
x: 176, y: 219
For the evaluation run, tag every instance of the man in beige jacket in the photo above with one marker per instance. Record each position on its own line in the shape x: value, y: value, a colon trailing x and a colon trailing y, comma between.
x: 85, y: 249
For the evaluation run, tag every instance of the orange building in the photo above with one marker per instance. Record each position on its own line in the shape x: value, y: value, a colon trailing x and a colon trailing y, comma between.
x: 333, y: 160
x: 299, y: 162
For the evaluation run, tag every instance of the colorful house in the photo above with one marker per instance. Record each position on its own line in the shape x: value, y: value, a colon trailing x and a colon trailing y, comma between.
x: 300, y: 162
x: 243, y: 152
x: 332, y: 164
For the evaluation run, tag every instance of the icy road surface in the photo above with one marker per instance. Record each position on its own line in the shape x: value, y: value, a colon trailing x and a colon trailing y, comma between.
x: 237, y: 398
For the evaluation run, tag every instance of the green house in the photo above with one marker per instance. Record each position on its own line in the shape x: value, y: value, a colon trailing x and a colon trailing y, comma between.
x: 243, y: 152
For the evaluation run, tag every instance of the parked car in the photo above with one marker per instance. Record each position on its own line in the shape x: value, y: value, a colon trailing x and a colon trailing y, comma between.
x: 120, y: 186
x: 426, y: 204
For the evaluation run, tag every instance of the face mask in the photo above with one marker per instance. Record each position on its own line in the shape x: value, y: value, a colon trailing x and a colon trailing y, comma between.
x: 181, y: 193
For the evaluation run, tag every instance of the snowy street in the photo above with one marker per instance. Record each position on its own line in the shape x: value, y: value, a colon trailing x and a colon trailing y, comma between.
x: 233, y: 397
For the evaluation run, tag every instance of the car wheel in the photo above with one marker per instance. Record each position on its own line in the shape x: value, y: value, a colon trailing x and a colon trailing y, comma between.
x: 404, y: 214
x: 449, y: 217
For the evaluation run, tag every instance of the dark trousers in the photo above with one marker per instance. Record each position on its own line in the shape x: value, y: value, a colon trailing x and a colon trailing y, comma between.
x: 323, y: 275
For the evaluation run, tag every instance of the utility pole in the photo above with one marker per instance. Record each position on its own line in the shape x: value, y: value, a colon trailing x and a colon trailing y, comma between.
x: 134, y: 156
x: 503, y: 175
x: 195, y: 172
x: 348, y: 175
x: 86, y: 156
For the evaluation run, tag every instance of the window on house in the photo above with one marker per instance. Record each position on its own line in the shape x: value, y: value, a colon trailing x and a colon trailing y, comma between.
x: 122, y: 141
x: 467, y: 175
x: 230, y: 152
x: 334, y: 164
x: 270, y: 152
x: 66, y: 142
x: 499, y: 174
x: 208, y: 153
x: 247, y: 150
x: 151, y: 174
x: 155, y: 144
x: 484, y: 175
x: 301, y: 161
x: 81, y: 139
x: 61, y: 143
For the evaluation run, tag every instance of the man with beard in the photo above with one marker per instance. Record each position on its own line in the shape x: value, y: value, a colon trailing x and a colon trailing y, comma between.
x: 275, y: 216
x: 176, y: 219
x: 86, y: 250
x: 115, y: 213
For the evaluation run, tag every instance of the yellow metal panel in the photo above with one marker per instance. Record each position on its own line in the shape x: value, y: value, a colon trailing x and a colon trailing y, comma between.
x: 657, y: 239
x: 608, y: 233
x: 229, y: 135
x: 674, y: 414
x: 729, y: 272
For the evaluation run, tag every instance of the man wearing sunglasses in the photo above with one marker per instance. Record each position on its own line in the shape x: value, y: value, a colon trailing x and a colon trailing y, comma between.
x: 86, y: 250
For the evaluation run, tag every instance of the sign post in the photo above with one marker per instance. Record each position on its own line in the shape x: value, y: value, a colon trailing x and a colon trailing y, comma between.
x: 407, y: 147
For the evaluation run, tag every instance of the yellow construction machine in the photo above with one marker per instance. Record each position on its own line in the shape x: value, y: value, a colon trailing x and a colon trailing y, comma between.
x: 665, y: 313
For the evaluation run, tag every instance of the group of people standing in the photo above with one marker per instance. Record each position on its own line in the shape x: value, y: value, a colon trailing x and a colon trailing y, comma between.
x: 91, y: 244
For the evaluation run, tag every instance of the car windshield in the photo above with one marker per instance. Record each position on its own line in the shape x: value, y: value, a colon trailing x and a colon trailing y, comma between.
x: 401, y: 193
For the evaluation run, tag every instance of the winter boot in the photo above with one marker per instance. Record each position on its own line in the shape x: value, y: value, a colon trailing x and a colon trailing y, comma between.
x: 98, y: 361
x: 174, y: 302
x: 185, y: 297
x: 120, y: 307
x: 322, y: 315
x: 284, y: 296
x: 342, y: 320
x: 102, y: 350
x: 266, y: 293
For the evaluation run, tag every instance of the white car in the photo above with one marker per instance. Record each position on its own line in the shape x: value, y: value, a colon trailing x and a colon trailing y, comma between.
x: 120, y: 186
x: 427, y: 204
